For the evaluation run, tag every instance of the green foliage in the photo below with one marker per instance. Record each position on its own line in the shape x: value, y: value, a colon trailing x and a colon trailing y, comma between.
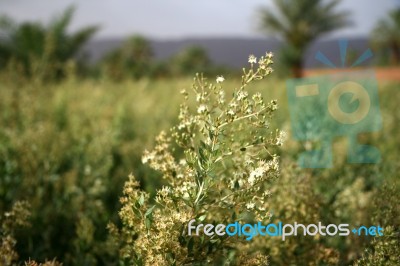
x: 385, y: 250
x: 190, y: 60
x: 132, y: 60
x: 386, y: 36
x: 294, y: 199
x: 46, y: 263
x: 10, y: 221
x: 40, y: 50
x: 299, y: 23
x: 66, y: 149
x: 227, y: 167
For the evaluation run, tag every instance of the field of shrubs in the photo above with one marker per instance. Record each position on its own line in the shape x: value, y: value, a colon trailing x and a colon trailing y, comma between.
x: 67, y: 149
x: 110, y: 162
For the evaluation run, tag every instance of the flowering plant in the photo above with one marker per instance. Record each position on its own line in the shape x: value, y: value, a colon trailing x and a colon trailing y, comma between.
x: 223, y: 175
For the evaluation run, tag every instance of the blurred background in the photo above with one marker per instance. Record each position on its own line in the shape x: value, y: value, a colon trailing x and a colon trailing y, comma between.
x: 85, y: 86
x: 220, y: 33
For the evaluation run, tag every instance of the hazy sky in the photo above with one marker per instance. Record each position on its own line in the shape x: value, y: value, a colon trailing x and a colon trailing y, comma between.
x: 163, y: 19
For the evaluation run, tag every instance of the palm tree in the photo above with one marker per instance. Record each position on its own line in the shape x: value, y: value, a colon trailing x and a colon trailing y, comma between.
x: 50, y: 45
x: 298, y: 23
x: 193, y: 59
x: 132, y: 59
x: 387, y: 34
x: 138, y: 48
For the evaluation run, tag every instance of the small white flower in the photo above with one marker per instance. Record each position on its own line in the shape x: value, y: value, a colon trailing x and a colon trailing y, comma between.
x: 257, y: 97
x: 281, y: 138
x: 221, y: 97
x: 231, y: 112
x: 147, y: 156
x: 186, y: 196
x: 232, y: 184
x: 202, y: 109
x: 249, y: 161
x: 256, y: 173
x: 199, y: 97
x: 242, y: 95
x: 270, y: 55
x: 250, y: 205
x: 251, y: 179
x: 164, y: 191
x: 267, y: 193
x: 220, y: 79
x: 252, y: 59
x: 233, y: 105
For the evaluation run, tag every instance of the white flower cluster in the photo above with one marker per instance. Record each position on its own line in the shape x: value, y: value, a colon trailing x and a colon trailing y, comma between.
x: 223, y: 171
x: 257, y: 173
x: 202, y: 109
x: 252, y: 59
x: 280, y: 139
x: 220, y: 79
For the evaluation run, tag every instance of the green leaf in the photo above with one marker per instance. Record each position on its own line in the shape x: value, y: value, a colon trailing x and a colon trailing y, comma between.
x: 236, y: 185
x: 149, y: 211
x: 147, y: 222
x: 190, y: 245
x: 210, y: 134
x: 141, y: 200
x: 202, y: 155
x: 136, y: 211
x: 202, y: 217
x: 203, y: 145
x: 181, y: 240
x: 233, y: 216
x: 215, y: 240
x: 171, y: 258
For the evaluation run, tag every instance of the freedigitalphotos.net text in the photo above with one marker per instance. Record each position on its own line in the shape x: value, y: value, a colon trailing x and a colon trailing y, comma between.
x: 282, y: 230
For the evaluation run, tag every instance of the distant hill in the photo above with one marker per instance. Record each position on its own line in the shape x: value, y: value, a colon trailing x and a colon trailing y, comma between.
x: 232, y: 52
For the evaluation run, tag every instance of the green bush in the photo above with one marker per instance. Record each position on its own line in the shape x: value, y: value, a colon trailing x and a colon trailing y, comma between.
x: 67, y: 148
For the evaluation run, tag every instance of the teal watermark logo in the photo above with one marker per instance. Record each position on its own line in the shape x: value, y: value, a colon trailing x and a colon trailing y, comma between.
x: 344, y: 104
x: 281, y: 230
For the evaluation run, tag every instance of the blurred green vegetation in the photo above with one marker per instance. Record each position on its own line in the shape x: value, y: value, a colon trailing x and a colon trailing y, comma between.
x: 68, y: 142
x: 67, y: 149
x: 386, y: 38
x: 49, y: 53
x: 134, y: 60
x: 299, y: 23
x: 41, y: 51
